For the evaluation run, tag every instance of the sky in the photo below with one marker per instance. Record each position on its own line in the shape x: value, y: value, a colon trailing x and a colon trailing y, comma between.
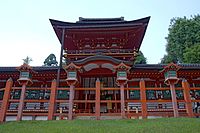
x: 25, y: 29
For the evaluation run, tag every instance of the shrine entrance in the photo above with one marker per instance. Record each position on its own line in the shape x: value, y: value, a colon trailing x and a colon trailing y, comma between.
x: 104, y: 71
x: 101, y: 53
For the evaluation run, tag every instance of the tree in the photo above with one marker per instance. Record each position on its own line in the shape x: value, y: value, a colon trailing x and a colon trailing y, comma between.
x: 27, y: 60
x: 183, y: 34
x: 50, y: 60
x: 140, y: 59
x: 168, y: 59
x: 192, y: 54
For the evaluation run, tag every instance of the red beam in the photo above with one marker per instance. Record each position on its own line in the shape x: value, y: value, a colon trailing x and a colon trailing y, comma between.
x: 52, y: 100
x: 5, y: 102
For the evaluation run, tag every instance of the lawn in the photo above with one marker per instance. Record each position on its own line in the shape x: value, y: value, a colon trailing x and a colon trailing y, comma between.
x: 162, y: 125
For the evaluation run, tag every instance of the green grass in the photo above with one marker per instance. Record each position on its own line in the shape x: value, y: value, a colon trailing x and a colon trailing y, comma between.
x: 162, y: 125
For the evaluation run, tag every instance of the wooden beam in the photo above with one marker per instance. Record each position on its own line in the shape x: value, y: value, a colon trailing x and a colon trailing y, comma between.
x: 143, y: 98
x: 71, y: 102
x: 97, y: 101
x: 187, y: 98
x: 21, y: 102
x: 5, y: 101
x: 51, y: 108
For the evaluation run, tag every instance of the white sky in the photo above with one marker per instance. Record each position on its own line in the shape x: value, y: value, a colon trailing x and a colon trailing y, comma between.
x: 25, y: 29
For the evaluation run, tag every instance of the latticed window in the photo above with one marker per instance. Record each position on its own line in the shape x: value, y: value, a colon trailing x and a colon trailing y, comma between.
x: 37, y: 94
x: 62, y: 94
x: 158, y: 94
x: 134, y: 94
x: 107, y: 95
x: 166, y: 94
x: 151, y: 94
x: 16, y: 94
x: 195, y: 94
x: 179, y: 94
x: 197, y: 85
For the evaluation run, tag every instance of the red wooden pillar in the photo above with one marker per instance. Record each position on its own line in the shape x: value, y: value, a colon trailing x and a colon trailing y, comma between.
x: 122, y: 101
x: 97, y: 101
x: 174, y: 100
x: 71, y: 102
x: 21, y: 101
x: 6, y: 98
x: 188, y: 102
x: 52, y: 101
x: 143, y: 99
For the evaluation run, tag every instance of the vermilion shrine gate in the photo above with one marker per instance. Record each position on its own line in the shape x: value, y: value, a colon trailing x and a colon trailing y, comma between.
x: 100, y: 79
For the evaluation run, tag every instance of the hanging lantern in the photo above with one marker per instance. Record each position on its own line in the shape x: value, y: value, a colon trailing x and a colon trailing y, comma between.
x: 71, y: 70
x: 170, y: 74
x: 122, y: 71
x: 25, y: 74
x: 121, y: 75
x: 71, y: 75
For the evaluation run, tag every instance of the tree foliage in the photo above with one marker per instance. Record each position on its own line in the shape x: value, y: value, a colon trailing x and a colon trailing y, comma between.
x: 27, y: 60
x: 140, y: 59
x: 184, y: 35
x: 192, y: 54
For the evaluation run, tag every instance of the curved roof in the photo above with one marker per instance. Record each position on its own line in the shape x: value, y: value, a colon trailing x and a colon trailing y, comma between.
x: 132, y: 32
x: 161, y: 66
x: 98, y: 23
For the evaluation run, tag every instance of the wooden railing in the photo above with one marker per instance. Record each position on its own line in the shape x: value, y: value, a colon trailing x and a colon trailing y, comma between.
x: 157, y: 107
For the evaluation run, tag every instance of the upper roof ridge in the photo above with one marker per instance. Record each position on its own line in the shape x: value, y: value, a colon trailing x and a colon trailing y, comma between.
x: 96, y: 20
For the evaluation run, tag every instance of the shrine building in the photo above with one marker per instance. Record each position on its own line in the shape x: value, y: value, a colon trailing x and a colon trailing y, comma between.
x: 99, y: 79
